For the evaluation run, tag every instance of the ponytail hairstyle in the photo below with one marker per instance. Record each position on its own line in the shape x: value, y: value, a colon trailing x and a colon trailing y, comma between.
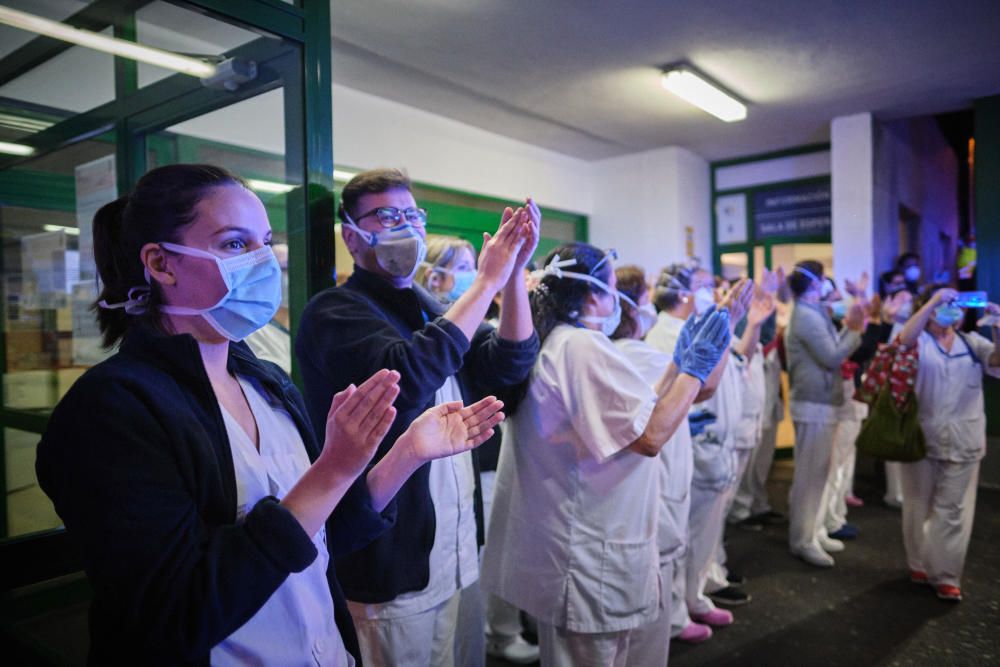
x: 673, y: 280
x: 800, y: 281
x: 630, y: 282
x: 161, y: 205
x: 557, y: 300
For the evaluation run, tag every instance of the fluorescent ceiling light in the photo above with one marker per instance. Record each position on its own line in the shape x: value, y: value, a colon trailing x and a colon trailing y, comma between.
x: 15, y: 149
x: 23, y: 123
x: 270, y: 187
x: 72, y: 231
x: 112, y: 45
x: 343, y: 175
x: 683, y: 82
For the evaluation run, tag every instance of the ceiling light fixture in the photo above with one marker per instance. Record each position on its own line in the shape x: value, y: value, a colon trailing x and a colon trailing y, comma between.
x: 112, y: 45
x: 15, y: 149
x: 72, y: 231
x: 270, y: 187
x: 694, y: 87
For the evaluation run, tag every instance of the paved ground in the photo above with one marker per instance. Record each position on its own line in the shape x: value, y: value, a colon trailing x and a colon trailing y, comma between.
x: 863, y: 612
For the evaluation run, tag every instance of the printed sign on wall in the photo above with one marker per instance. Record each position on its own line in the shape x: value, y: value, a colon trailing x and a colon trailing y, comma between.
x: 731, y: 219
x: 800, y: 210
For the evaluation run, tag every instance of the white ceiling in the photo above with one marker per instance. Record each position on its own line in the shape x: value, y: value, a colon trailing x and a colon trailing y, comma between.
x: 580, y: 76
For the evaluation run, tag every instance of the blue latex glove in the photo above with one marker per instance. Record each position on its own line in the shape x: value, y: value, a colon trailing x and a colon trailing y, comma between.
x: 691, y: 327
x: 707, y: 347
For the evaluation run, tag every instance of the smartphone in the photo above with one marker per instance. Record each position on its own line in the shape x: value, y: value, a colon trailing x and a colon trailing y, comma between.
x: 971, y: 300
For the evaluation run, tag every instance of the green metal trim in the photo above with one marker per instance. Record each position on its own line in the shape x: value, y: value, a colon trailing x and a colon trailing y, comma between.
x: 273, y: 16
x: 37, y: 189
x: 24, y: 420
x: 771, y: 155
x: 129, y: 157
x: 987, y: 226
x: 96, y: 16
x: 810, y: 180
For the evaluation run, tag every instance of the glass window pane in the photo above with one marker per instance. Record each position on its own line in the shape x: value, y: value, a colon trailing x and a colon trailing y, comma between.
x: 789, y: 254
x: 734, y: 265
x: 29, y: 510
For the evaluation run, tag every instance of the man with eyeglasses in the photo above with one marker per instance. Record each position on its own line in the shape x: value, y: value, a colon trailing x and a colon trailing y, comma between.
x: 404, y: 588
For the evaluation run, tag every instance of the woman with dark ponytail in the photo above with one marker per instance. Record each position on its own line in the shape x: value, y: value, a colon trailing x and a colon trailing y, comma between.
x: 572, y: 536
x: 187, y: 470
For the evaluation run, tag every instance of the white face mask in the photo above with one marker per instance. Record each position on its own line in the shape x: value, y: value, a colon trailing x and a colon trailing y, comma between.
x: 398, y: 250
x: 609, y: 323
x: 704, y: 298
x: 647, y: 318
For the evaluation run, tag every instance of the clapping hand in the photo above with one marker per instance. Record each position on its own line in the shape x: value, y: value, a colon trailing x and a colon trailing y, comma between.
x: 691, y: 327
x: 451, y: 428
x: 771, y: 281
x: 708, y: 346
x: 358, y: 419
x: 532, y: 225
x: 737, y: 300
x: 858, y: 289
x: 502, y: 251
x: 761, y: 307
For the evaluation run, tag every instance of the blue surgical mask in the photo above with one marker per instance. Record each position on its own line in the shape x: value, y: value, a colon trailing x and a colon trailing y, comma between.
x: 704, y: 298
x: 912, y: 274
x: 947, y: 315
x: 904, y: 312
x: 462, y: 282
x: 398, y: 250
x: 838, y: 309
x: 253, y: 282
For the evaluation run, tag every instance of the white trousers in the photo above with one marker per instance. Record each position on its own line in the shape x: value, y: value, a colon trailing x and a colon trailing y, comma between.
x: 806, y: 500
x: 503, y: 620
x: 841, y: 473
x: 751, y: 496
x: 718, y: 575
x: 650, y: 643
x: 427, y: 638
x: 705, y: 526
x: 558, y: 647
x: 679, y: 618
x: 893, y: 486
x: 939, y: 505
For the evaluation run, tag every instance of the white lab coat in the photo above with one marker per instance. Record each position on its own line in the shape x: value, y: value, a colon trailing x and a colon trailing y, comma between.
x: 572, y: 536
x: 939, y: 492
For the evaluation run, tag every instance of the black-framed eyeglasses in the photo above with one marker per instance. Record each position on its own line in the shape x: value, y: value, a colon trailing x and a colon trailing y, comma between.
x: 390, y: 216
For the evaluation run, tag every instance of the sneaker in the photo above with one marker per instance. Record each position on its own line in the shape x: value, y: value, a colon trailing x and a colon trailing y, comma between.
x: 830, y: 545
x: 854, y: 501
x: 694, y: 633
x: 770, y: 518
x: 751, y: 525
x: 736, y: 579
x: 515, y: 650
x: 814, y: 556
x: 952, y: 593
x: 918, y: 577
x: 730, y: 596
x: 846, y: 532
x: 716, y: 618
x: 894, y: 503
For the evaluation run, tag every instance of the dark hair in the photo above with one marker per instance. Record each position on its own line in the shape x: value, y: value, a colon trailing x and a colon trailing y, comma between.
x: 673, y: 280
x: 907, y: 256
x: 162, y: 203
x: 925, y: 294
x: 556, y: 299
x: 630, y: 281
x: 371, y: 182
x: 799, y: 281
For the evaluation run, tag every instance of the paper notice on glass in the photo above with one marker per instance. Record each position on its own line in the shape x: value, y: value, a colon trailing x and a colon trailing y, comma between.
x: 43, y: 264
x: 731, y: 219
x: 96, y: 185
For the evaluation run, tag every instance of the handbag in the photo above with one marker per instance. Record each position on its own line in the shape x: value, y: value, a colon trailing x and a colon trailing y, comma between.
x: 892, y: 432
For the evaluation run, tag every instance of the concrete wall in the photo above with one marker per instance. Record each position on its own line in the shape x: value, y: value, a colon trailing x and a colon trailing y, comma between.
x: 643, y: 203
x: 852, y: 164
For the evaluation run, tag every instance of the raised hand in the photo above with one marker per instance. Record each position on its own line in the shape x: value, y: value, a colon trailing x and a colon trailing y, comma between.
x: 501, y: 251
x: 860, y: 288
x: 761, y: 307
x: 943, y: 296
x: 450, y: 428
x: 692, y: 326
x: 708, y: 346
x: 855, y: 317
x: 771, y: 281
x: 737, y: 300
x: 532, y: 225
x: 358, y: 419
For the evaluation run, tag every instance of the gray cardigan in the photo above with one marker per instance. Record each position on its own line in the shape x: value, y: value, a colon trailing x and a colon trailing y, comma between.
x: 815, y: 351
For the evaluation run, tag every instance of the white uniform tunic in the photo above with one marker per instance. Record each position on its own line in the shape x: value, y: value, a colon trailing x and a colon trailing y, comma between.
x: 950, y: 396
x: 296, y: 625
x: 572, y: 536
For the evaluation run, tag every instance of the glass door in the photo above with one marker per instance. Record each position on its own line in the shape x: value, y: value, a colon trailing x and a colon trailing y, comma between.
x: 78, y: 128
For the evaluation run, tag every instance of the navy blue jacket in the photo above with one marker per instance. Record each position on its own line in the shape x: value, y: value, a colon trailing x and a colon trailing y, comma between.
x: 347, y: 334
x: 138, y: 463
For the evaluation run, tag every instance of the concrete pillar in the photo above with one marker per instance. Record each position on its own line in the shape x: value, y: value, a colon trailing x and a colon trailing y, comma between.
x: 852, y: 185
